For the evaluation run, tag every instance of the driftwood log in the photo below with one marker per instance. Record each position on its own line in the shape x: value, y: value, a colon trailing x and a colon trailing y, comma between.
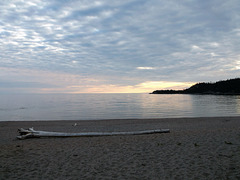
x: 31, y: 133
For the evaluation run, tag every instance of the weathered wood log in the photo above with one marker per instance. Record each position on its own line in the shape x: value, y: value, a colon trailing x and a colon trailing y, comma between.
x: 31, y: 133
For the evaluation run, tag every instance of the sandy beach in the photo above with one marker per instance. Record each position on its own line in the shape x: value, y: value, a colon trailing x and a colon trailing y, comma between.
x: 196, y: 148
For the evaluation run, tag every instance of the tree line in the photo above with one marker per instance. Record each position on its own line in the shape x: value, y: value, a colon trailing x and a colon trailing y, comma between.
x: 225, y: 87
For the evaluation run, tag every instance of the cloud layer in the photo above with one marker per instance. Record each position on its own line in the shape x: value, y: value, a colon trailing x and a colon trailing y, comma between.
x: 118, y: 43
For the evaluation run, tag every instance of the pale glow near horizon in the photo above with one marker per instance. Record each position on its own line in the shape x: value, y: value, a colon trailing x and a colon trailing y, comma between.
x: 68, y: 83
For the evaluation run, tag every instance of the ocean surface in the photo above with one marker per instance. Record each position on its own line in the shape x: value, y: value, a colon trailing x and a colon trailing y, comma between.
x: 114, y: 106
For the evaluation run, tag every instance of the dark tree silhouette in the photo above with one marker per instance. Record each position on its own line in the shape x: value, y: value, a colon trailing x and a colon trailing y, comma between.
x: 231, y: 87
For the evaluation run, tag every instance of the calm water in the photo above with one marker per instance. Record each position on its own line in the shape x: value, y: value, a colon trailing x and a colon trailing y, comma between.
x: 114, y: 106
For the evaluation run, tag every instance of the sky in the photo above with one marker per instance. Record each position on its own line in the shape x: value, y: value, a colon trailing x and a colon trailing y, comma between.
x: 121, y: 46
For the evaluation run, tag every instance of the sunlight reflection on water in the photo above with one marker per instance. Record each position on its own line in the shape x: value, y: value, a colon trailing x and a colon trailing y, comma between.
x: 115, y: 106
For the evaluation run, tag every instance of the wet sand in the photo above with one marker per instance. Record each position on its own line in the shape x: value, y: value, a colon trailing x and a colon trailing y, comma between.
x: 196, y: 148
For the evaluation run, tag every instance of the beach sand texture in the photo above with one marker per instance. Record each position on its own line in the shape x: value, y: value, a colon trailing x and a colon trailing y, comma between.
x: 196, y: 148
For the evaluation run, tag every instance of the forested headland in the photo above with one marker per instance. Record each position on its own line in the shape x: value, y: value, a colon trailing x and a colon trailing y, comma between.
x: 224, y: 87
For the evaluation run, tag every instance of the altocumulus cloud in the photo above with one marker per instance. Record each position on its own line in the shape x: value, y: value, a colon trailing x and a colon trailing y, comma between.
x: 120, y: 44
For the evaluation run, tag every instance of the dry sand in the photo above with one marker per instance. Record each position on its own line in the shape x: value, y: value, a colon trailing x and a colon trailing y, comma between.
x: 196, y: 148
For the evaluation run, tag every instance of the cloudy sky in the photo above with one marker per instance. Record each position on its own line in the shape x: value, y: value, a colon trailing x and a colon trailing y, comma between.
x: 88, y: 46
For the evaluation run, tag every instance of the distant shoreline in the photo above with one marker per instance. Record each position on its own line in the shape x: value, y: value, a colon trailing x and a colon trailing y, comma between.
x: 182, y: 92
x: 227, y: 87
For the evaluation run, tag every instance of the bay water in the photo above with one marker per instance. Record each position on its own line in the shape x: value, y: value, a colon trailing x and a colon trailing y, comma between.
x: 32, y: 107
